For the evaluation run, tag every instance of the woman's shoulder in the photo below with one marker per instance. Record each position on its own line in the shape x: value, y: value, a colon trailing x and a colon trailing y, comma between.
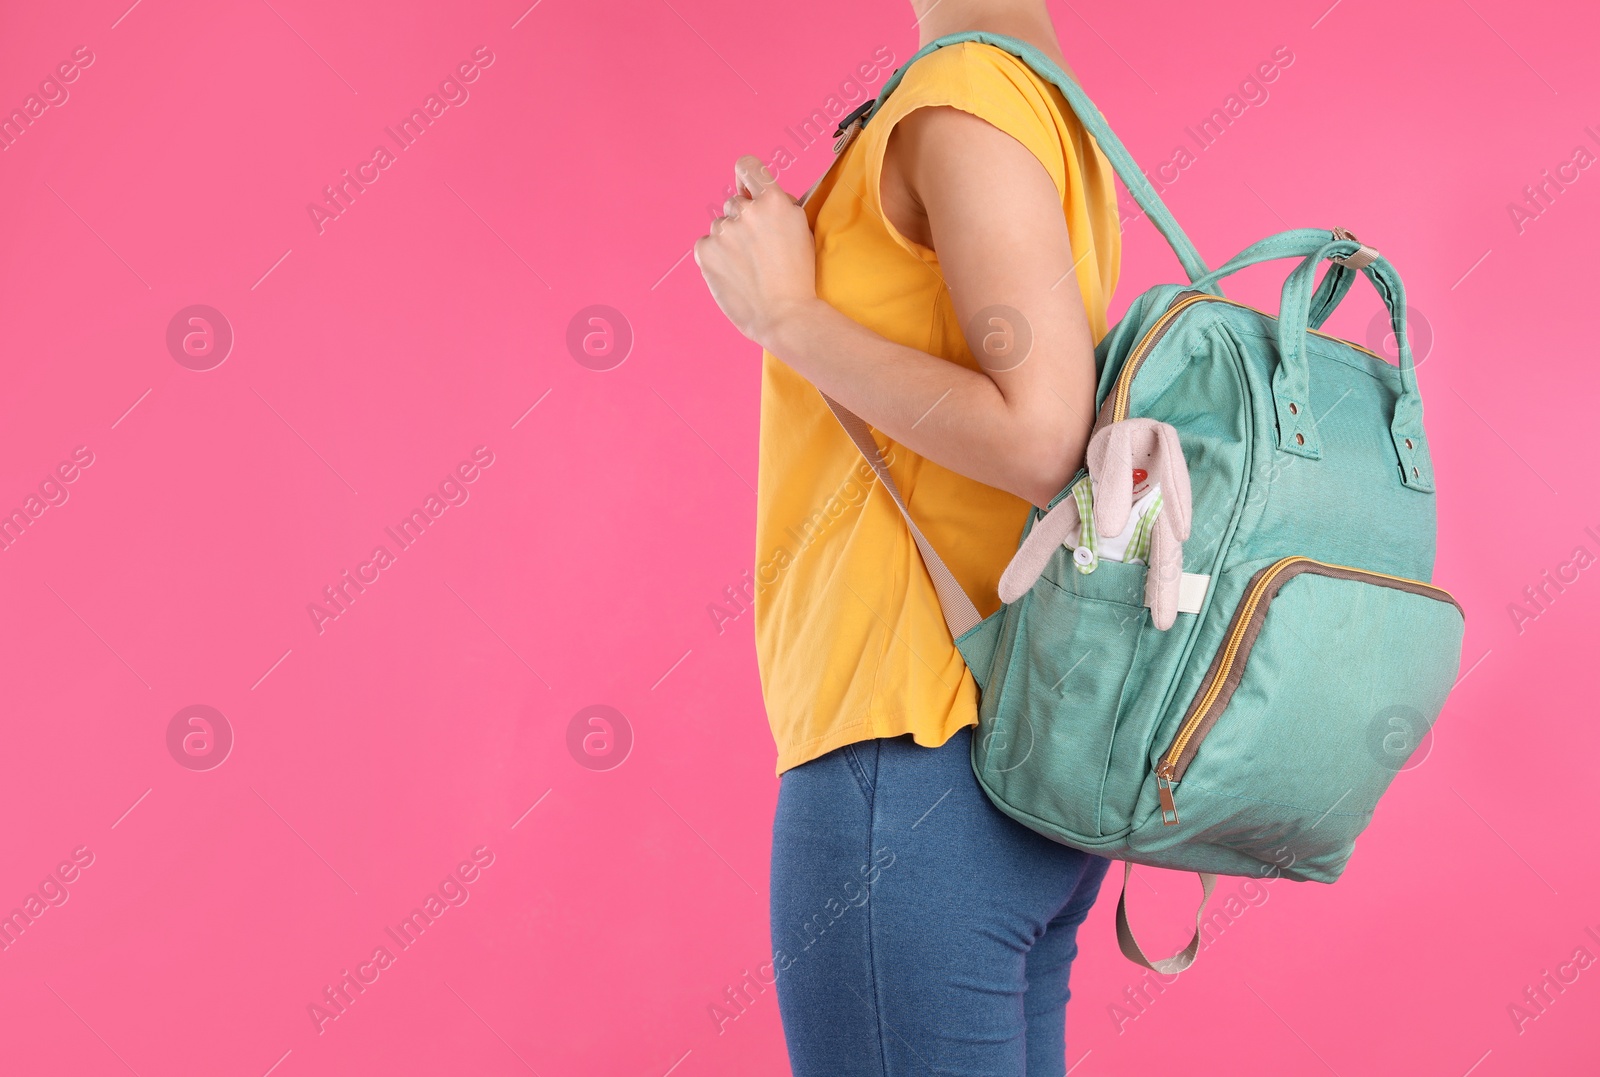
x: 973, y: 70
x: 993, y: 85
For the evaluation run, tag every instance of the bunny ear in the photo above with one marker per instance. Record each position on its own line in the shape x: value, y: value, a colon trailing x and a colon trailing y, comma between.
x: 1059, y: 525
x: 1172, y: 471
x: 1110, y: 460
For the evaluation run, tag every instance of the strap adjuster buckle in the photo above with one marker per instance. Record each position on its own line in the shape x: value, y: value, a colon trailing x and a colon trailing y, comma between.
x: 859, y: 113
x: 1362, y: 258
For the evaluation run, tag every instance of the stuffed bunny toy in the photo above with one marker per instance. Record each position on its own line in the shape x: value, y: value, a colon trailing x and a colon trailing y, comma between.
x: 1123, y: 458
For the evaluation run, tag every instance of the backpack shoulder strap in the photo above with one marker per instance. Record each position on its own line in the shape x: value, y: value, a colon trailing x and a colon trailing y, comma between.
x: 960, y: 615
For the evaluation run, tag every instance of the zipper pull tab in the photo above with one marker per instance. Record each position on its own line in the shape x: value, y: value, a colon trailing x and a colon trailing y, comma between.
x: 1169, y: 809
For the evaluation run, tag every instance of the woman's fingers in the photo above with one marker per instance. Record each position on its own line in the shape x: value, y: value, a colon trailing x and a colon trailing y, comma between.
x: 759, y: 258
x: 751, y: 177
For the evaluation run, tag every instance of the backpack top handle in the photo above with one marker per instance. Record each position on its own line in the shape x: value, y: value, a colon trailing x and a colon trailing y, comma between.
x: 1300, y: 308
x: 1292, y: 379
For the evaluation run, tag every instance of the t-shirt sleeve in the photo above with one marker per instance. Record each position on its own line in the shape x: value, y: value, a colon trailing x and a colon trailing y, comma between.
x: 979, y: 79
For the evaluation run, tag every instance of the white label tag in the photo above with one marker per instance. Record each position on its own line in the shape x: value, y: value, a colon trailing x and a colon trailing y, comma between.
x: 1192, y: 590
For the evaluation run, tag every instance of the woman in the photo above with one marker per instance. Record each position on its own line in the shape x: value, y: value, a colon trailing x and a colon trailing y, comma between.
x: 947, y: 283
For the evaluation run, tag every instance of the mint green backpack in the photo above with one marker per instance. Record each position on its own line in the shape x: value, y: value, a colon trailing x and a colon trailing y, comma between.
x: 1309, y: 655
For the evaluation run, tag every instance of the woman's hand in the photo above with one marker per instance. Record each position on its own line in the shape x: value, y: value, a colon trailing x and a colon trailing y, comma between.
x: 993, y: 212
x: 760, y: 259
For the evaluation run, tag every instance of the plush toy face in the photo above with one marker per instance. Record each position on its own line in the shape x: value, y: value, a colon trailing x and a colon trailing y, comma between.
x: 1126, y: 460
x: 1146, y: 452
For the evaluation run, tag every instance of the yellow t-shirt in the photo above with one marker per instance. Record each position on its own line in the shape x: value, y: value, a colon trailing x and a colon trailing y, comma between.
x: 849, y: 635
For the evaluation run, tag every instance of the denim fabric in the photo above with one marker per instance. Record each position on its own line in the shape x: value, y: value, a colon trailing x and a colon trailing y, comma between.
x: 916, y: 929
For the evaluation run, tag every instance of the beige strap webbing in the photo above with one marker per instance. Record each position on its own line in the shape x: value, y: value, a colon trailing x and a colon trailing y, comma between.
x: 959, y: 612
x: 1175, y: 964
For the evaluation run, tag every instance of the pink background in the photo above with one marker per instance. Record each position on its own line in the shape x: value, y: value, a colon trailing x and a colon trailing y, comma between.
x: 431, y: 717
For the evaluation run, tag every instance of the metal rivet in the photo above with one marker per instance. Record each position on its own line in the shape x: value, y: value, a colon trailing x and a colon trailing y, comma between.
x: 1408, y: 444
x: 1299, y: 439
x: 1294, y: 409
x: 1413, y: 473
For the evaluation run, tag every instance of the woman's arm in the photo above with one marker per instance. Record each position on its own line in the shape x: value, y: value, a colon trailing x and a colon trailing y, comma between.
x: 989, y: 208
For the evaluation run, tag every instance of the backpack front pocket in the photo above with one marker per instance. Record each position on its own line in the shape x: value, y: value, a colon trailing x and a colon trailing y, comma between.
x: 1068, y: 649
x: 1287, y: 736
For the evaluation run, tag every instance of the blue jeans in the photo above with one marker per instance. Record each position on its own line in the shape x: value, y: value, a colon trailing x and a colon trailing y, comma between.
x: 915, y: 928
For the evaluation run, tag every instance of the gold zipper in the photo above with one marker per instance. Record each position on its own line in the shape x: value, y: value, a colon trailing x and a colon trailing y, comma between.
x: 1123, y: 389
x: 1124, y: 386
x: 1257, y: 597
